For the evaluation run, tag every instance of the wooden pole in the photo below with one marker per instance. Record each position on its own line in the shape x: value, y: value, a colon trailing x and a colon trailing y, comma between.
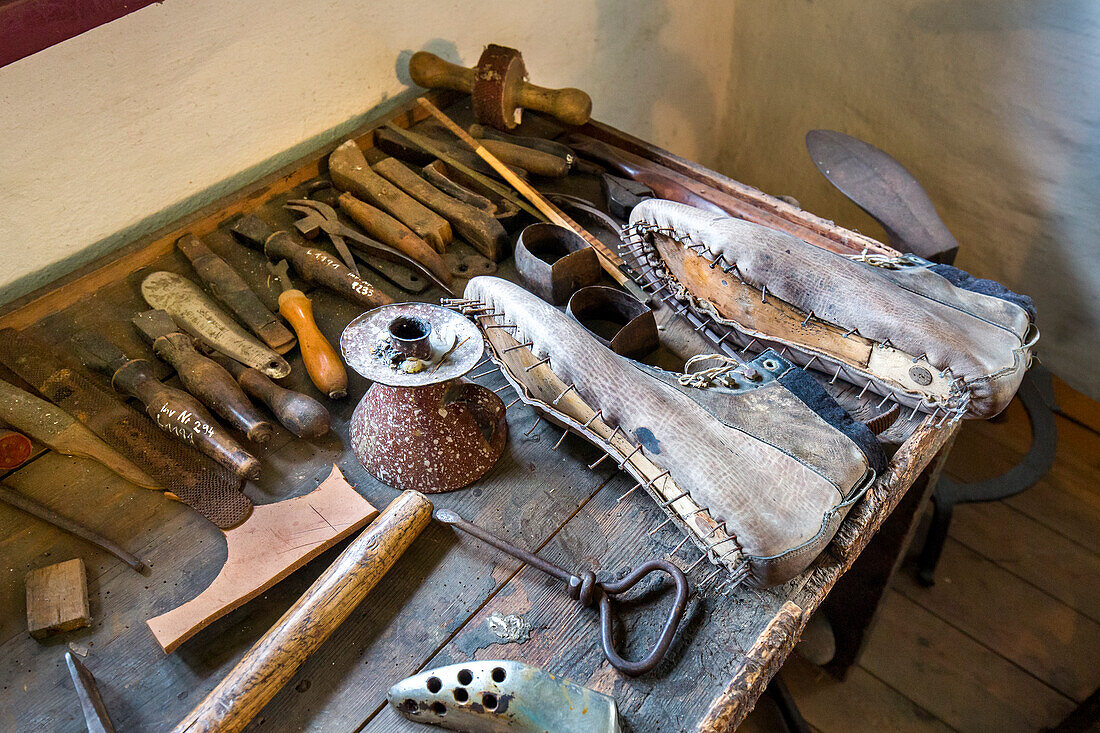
x: 610, y: 261
x: 274, y: 659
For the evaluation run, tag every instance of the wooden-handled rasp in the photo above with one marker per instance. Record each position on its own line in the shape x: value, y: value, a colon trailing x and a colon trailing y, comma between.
x: 174, y: 411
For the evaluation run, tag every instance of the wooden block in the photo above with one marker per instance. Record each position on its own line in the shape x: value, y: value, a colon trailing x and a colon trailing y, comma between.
x: 57, y: 598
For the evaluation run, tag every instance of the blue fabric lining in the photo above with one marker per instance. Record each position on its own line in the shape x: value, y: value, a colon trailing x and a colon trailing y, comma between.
x: 814, y: 396
x: 966, y: 281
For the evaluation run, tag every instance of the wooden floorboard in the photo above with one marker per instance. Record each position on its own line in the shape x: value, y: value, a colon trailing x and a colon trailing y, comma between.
x: 964, y: 683
x: 1007, y: 639
x: 861, y: 702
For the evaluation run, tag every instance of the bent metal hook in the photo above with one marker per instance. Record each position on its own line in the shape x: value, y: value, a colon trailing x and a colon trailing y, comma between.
x: 586, y: 589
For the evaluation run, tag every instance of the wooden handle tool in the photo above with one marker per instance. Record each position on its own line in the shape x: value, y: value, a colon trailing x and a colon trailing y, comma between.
x: 201, y: 376
x: 298, y: 413
x: 499, y: 87
x: 388, y: 230
x: 313, y: 265
x: 230, y: 288
x: 273, y: 660
x: 323, y: 364
x: 174, y: 411
x: 481, y: 230
x: 610, y: 261
x: 350, y: 172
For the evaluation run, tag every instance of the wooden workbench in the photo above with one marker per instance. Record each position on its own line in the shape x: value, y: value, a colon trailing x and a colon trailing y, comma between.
x: 449, y: 598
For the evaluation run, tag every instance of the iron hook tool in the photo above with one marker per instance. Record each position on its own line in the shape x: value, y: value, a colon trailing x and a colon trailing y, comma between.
x: 585, y: 588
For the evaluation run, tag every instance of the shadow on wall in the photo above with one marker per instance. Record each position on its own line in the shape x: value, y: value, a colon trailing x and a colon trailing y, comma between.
x: 993, y: 105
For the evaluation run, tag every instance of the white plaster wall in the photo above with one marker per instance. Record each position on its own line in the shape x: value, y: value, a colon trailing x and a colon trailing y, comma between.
x: 117, y: 131
x: 993, y: 104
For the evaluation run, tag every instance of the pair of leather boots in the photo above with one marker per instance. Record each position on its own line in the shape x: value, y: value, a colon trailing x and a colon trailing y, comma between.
x: 744, y: 450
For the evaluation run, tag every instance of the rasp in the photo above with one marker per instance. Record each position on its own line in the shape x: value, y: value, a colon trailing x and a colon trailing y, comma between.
x: 187, y: 474
x: 172, y: 410
x: 201, y: 317
x: 230, y: 288
x: 57, y: 429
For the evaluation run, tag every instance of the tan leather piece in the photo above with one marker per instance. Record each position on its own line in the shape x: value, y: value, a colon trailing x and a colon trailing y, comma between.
x: 979, y: 337
x: 770, y: 501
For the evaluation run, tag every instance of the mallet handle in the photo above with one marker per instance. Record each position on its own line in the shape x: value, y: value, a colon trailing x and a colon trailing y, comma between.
x: 609, y: 260
x: 431, y: 72
x: 274, y: 659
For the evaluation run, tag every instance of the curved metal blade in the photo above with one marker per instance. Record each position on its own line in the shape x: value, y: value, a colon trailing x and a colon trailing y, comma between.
x: 883, y: 188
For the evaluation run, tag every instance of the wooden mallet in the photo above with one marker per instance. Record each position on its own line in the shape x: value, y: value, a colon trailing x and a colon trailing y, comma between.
x: 499, y: 88
x: 274, y: 659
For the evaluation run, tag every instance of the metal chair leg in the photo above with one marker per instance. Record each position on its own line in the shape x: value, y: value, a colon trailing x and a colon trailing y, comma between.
x: 1036, y: 394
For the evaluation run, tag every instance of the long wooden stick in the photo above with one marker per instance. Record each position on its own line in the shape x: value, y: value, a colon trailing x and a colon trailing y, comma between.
x: 610, y: 261
x: 274, y: 659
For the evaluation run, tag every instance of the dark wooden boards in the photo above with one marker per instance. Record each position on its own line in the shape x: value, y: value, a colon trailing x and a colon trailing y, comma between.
x: 432, y: 607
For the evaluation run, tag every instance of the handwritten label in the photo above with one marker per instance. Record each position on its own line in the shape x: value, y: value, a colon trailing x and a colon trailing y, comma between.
x: 182, y: 423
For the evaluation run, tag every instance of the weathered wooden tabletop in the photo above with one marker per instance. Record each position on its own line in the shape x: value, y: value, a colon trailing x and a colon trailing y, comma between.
x: 448, y: 599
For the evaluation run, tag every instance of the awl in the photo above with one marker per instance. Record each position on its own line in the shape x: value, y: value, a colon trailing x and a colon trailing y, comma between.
x: 174, y: 411
x: 202, y: 377
x: 323, y: 364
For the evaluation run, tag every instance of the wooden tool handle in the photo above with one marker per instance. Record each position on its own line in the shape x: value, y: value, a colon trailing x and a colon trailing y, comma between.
x: 321, y: 268
x: 273, y: 660
x: 389, y: 230
x: 182, y: 416
x: 298, y: 413
x: 213, y: 385
x: 571, y: 106
x: 532, y: 161
x: 432, y: 72
x: 322, y: 362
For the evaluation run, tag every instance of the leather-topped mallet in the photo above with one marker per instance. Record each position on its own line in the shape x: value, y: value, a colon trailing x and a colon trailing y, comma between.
x: 322, y: 362
x: 499, y: 88
x: 201, y: 376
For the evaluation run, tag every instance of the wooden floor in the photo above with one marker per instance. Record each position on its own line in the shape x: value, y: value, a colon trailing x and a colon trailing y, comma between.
x: 1008, y: 639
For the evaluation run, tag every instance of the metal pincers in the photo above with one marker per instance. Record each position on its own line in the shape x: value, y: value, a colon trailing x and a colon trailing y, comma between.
x: 587, y: 590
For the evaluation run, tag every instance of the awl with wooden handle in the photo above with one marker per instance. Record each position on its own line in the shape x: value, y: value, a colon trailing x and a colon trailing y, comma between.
x: 274, y: 659
x: 322, y: 362
x: 172, y: 410
x: 298, y: 413
x: 313, y: 265
x: 201, y: 376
